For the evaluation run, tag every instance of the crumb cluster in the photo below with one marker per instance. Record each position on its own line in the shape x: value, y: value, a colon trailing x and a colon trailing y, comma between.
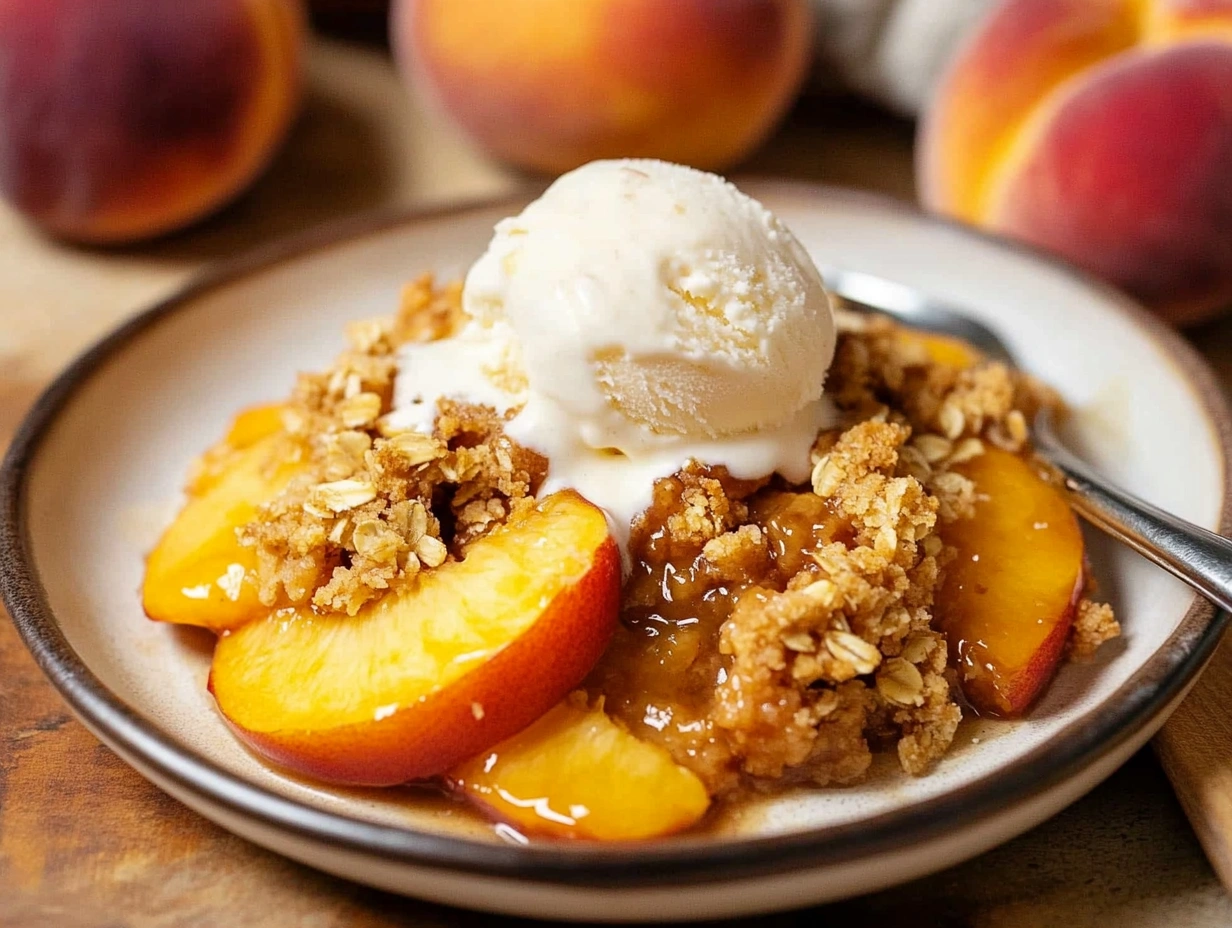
x: 374, y: 505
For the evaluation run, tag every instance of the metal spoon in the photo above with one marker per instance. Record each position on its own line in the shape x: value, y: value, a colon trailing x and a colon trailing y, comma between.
x: 1200, y: 558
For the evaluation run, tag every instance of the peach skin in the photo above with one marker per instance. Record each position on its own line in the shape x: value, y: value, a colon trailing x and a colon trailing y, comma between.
x: 125, y: 119
x: 1009, y: 597
x: 1100, y: 130
x: 551, y: 84
x: 422, y: 679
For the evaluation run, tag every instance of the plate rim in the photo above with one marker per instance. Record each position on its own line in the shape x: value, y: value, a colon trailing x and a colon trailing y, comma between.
x: 674, y: 861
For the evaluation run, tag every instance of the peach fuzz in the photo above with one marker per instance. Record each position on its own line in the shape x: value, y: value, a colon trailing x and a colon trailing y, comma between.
x: 551, y: 84
x: 1100, y: 130
x: 125, y: 119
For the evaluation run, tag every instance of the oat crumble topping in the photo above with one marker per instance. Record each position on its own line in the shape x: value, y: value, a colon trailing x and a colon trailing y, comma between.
x: 1093, y: 625
x: 367, y: 514
x: 770, y: 632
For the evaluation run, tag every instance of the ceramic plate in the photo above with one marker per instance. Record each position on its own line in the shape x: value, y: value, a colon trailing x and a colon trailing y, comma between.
x: 95, y: 472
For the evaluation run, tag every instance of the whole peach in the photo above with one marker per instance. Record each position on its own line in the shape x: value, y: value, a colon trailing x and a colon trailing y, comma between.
x: 123, y: 119
x: 1100, y: 130
x: 551, y: 84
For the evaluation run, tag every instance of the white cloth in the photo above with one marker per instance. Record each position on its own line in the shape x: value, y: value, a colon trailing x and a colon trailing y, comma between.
x: 892, y: 50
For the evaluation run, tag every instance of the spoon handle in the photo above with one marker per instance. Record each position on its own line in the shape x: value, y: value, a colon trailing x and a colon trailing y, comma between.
x: 1200, y: 558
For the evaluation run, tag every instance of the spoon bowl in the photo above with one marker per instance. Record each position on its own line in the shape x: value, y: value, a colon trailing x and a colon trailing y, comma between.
x: 1189, y: 552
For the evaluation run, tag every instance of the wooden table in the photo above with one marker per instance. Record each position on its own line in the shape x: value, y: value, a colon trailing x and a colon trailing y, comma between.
x: 84, y: 841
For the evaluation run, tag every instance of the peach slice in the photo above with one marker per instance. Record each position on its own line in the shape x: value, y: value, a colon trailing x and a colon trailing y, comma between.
x: 253, y: 424
x: 941, y: 349
x: 199, y: 573
x: 1008, y: 599
x: 575, y: 773
x: 424, y: 678
x: 247, y: 428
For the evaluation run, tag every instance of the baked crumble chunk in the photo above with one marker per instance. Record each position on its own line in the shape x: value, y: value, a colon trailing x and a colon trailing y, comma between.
x: 376, y: 506
x: 771, y: 633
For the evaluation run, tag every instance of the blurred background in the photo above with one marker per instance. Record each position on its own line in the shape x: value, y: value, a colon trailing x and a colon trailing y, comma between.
x: 1100, y: 130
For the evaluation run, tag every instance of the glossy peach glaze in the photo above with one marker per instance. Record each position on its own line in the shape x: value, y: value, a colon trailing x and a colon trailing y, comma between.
x: 577, y: 774
x: 659, y: 675
x: 199, y: 573
x: 1010, y: 594
x: 637, y: 754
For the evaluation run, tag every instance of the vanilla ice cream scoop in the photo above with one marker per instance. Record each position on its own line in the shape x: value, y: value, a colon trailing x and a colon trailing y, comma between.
x: 635, y: 317
x: 653, y: 302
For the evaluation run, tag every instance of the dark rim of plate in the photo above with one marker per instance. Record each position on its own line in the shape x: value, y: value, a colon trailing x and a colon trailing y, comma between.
x: 688, y: 859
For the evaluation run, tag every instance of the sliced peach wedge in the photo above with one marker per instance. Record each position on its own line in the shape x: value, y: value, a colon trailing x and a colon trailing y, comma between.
x: 940, y: 349
x: 252, y: 424
x: 575, y: 773
x: 1009, y: 598
x: 424, y: 678
x: 199, y: 573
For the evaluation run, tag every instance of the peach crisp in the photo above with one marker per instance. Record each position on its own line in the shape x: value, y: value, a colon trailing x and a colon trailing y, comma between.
x: 414, y: 586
